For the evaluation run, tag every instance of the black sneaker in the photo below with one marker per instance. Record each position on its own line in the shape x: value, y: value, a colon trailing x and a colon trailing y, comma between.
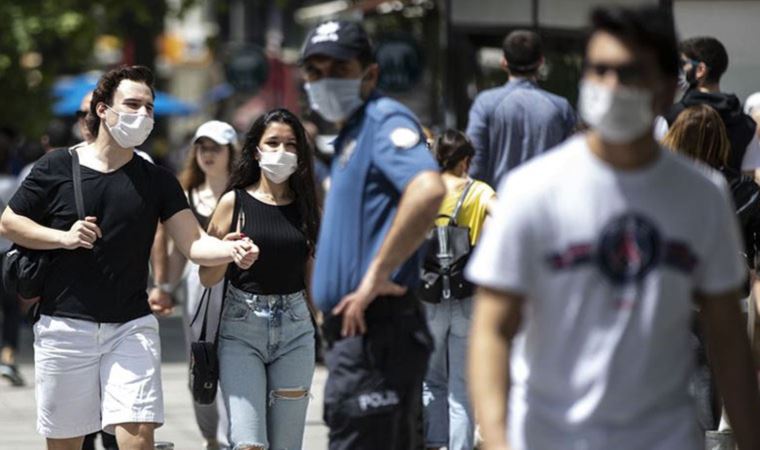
x: 10, y: 371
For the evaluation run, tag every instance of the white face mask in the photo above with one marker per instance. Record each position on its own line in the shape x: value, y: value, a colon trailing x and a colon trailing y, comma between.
x: 335, y: 99
x: 278, y: 166
x: 620, y: 115
x: 131, y: 130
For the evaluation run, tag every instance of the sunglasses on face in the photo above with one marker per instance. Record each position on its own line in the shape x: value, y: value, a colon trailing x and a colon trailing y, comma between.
x: 209, y: 148
x: 626, y: 73
x: 81, y: 114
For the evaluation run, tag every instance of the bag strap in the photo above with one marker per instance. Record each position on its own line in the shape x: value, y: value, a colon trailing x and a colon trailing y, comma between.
x: 76, y: 173
x: 238, y: 221
x: 460, y: 202
x: 237, y: 215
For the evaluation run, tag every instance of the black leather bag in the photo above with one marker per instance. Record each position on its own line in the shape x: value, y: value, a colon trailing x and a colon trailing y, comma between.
x: 25, y: 270
x: 204, y: 363
x: 447, y: 252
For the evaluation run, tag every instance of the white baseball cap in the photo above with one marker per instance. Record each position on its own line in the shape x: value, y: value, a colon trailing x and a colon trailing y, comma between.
x: 220, y: 132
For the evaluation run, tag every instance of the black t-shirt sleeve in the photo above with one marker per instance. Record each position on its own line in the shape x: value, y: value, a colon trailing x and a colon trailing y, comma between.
x: 173, y: 199
x: 31, y: 198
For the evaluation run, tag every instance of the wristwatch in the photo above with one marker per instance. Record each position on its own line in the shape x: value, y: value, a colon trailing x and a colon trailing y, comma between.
x: 167, y: 288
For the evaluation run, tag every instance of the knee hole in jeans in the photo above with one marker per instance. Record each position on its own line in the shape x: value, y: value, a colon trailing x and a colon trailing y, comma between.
x: 250, y: 447
x: 287, y: 394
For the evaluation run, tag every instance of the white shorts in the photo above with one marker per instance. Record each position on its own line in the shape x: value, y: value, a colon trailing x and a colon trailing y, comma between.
x: 90, y: 376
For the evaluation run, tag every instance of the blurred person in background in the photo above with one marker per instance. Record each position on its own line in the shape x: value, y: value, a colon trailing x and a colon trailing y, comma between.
x: 204, y: 178
x: 513, y: 123
x: 703, y: 61
x: 266, y: 338
x: 10, y: 305
x: 56, y: 136
x: 699, y: 133
x: 752, y: 109
x: 590, y: 270
x: 449, y: 421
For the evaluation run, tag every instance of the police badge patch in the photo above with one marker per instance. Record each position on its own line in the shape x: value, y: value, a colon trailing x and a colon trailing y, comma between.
x: 404, y: 138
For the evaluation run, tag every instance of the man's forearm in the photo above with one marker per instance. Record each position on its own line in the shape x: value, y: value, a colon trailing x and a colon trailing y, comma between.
x: 416, y: 212
x: 731, y: 361
x: 210, y: 251
x: 28, y: 233
x: 159, y: 259
x: 489, y: 384
x: 496, y: 319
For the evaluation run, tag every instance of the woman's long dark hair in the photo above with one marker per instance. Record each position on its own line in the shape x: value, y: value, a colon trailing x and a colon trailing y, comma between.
x: 302, y: 182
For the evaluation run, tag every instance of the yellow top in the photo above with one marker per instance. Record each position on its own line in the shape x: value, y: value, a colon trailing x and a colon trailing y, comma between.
x: 473, y: 212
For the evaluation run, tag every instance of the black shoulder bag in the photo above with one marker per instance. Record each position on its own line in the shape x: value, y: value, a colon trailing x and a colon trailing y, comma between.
x: 25, y: 270
x: 448, y: 250
x: 204, y: 363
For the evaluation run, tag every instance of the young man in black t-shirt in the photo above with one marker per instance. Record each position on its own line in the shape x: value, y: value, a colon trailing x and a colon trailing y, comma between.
x: 97, y: 352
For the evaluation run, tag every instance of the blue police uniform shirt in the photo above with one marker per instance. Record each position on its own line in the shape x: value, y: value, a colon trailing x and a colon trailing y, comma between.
x: 379, y: 151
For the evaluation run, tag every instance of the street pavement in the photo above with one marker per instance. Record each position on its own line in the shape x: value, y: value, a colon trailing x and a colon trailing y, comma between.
x: 17, y: 406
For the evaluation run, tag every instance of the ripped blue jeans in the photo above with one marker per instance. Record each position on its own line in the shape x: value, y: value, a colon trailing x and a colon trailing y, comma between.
x: 266, y: 364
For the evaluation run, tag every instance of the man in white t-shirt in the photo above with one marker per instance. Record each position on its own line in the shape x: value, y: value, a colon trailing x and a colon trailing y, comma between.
x: 590, y: 272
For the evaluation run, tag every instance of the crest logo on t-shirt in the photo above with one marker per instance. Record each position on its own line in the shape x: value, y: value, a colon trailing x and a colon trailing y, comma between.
x: 627, y: 250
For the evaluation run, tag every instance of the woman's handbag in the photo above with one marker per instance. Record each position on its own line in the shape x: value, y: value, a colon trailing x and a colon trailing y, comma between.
x: 24, y: 270
x: 204, y: 363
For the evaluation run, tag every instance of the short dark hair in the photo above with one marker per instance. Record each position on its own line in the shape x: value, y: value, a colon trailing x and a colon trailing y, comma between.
x: 646, y: 27
x: 57, y: 133
x: 108, y: 84
x: 523, y: 51
x: 710, y: 51
x: 451, y: 147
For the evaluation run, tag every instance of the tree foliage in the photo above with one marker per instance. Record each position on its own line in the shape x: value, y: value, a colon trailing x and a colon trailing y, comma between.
x: 43, y: 39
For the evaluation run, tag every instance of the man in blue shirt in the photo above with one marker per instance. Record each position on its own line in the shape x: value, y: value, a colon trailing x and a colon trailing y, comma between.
x: 512, y: 123
x: 384, y: 195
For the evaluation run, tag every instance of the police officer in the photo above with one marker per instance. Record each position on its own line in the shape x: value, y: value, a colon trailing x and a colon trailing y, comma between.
x: 384, y: 195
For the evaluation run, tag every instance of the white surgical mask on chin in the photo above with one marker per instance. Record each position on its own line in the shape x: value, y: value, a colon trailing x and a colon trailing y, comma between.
x: 335, y: 99
x: 278, y: 166
x: 619, y: 115
x: 131, y: 129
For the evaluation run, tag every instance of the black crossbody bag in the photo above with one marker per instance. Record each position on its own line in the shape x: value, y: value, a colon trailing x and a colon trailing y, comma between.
x: 25, y: 270
x: 204, y: 361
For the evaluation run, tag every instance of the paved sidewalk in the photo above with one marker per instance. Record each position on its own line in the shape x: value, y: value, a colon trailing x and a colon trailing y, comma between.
x: 17, y: 407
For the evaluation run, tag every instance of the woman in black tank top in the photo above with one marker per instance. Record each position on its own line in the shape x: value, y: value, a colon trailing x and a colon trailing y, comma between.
x: 266, y: 339
x: 204, y: 178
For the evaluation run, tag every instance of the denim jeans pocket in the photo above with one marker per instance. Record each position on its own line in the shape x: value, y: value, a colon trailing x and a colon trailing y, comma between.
x: 430, y: 310
x: 235, y: 311
x: 298, y: 310
x: 466, y: 306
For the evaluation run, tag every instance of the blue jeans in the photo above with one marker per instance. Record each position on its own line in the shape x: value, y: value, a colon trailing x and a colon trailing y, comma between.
x: 266, y: 355
x: 448, y: 415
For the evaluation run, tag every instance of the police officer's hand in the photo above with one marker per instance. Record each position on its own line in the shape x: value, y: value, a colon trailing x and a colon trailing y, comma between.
x: 82, y: 234
x: 352, y: 306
